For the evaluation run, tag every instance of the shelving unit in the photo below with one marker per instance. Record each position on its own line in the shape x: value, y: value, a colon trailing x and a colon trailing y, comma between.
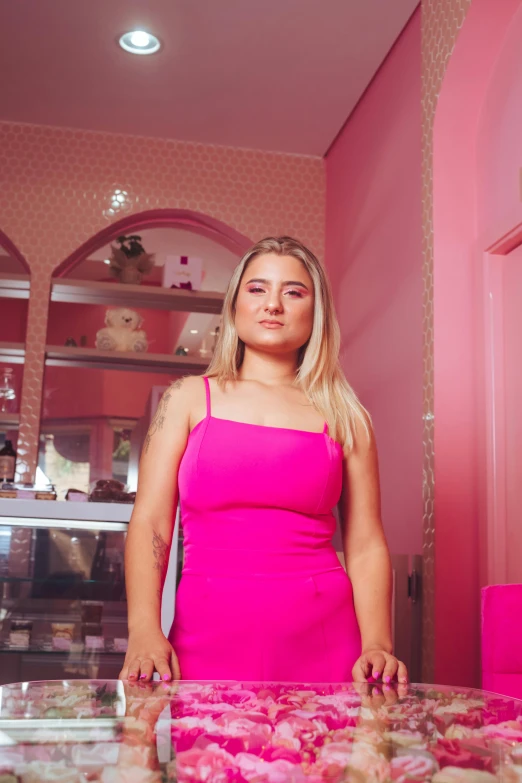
x: 14, y: 286
x: 9, y: 420
x: 13, y: 353
x: 65, y: 356
x: 145, y: 296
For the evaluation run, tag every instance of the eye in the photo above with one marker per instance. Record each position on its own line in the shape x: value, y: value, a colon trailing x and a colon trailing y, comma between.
x: 255, y: 290
x: 295, y: 294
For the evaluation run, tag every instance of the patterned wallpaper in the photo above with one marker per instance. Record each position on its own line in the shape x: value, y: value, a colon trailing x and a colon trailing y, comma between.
x: 59, y: 187
x: 441, y: 22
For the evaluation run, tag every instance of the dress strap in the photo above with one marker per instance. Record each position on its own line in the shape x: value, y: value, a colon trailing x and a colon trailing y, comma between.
x: 325, y: 431
x: 207, y: 390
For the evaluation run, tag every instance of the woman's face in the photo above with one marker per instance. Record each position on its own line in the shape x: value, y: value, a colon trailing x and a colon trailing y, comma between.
x: 275, y: 304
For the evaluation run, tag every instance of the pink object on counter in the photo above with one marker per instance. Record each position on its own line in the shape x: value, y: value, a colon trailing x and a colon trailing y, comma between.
x: 502, y: 639
x: 262, y: 594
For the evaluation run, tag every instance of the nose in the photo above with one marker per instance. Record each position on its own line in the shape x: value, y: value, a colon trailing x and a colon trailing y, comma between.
x: 274, y: 303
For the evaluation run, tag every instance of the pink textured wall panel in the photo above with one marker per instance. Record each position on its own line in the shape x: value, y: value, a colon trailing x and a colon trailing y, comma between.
x: 57, y: 190
x: 373, y: 254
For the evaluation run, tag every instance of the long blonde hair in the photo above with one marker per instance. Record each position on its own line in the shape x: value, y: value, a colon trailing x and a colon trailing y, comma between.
x: 319, y: 373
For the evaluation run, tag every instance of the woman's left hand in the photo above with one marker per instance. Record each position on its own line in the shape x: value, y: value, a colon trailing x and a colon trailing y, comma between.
x: 376, y: 664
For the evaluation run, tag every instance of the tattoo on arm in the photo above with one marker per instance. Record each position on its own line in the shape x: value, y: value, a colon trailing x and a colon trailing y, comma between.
x: 160, y: 551
x: 161, y: 412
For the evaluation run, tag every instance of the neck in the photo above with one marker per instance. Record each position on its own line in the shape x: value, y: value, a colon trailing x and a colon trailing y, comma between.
x: 269, y: 369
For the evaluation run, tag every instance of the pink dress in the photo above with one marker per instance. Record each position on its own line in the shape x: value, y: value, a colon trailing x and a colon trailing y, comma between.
x: 262, y: 594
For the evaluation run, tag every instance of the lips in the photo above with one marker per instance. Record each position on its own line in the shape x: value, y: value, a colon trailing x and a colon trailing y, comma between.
x: 271, y: 324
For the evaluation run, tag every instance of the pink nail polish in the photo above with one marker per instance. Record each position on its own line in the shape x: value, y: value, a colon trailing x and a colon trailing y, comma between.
x: 387, y: 678
x: 377, y: 675
x: 143, y: 677
x: 166, y: 677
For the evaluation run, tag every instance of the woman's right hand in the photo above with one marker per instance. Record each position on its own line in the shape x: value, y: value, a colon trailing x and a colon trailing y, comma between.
x: 149, y: 651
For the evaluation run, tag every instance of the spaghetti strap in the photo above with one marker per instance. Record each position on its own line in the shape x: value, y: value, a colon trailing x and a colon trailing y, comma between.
x: 207, y: 390
x: 325, y: 431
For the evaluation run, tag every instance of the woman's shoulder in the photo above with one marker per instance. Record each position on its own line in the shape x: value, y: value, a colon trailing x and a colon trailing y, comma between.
x: 182, y: 394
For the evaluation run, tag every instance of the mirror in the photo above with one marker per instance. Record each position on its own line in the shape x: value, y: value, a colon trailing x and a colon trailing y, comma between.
x: 14, y: 301
x: 99, y: 397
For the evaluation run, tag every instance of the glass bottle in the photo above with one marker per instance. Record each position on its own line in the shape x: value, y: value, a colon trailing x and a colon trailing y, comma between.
x: 7, y: 462
x: 7, y: 390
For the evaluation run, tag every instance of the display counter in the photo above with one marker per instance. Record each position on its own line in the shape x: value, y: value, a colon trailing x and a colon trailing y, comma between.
x: 108, y: 731
x: 63, y: 611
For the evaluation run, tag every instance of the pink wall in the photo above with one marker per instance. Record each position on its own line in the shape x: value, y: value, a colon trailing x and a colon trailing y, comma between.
x: 82, y: 393
x: 499, y: 191
x: 13, y: 322
x: 373, y: 254
x: 460, y: 458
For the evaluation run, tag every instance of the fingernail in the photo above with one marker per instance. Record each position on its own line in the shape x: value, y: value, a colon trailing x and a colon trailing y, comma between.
x: 387, y: 678
x: 166, y: 677
x: 404, y: 679
x: 377, y: 675
x: 143, y: 677
x: 132, y: 676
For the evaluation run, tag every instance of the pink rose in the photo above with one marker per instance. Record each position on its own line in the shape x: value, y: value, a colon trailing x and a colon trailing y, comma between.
x: 211, y: 764
x: 279, y: 771
x: 412, y: 769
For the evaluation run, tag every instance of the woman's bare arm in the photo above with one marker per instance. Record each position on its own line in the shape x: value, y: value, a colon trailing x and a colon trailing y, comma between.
x: 150, y: 533
x: 367, y: 556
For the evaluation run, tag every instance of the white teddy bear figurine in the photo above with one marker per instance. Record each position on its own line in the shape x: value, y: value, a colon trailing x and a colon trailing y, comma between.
x: 122, y: 332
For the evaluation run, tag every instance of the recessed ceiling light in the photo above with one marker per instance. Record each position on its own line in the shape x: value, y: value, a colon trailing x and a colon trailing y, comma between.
x: 106, y: 260
x: 139, y: 42
x: 193, y: 331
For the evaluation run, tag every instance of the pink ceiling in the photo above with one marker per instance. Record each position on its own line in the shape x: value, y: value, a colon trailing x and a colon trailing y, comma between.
x: 278, y: 75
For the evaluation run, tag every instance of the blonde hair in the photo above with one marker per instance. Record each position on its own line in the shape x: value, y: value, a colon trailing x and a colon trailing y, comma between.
x: 319, y: 373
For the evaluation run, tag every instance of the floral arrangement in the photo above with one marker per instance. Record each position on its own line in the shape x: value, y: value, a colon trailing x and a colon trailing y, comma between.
x: 256, y: 733
x: 129, y: 262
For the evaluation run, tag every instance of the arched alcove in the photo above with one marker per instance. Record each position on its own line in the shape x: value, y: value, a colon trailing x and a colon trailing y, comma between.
x: 97, y: 402
x: 14, y: 300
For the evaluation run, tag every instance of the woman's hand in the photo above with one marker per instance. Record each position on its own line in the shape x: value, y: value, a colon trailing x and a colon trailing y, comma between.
x: 149, y: 651
x: 377, y: 664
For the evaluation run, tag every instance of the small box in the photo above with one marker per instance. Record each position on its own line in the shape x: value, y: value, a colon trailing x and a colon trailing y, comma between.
x: 183, y: 272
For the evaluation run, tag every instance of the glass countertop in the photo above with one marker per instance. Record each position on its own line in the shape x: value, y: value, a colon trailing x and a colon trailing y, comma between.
x: 84, y: 731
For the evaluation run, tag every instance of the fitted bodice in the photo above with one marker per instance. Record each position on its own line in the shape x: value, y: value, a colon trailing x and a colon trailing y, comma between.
x: 246, y: 488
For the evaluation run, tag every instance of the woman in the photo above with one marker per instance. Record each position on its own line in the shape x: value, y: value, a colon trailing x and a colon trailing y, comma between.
x: 262, y: 449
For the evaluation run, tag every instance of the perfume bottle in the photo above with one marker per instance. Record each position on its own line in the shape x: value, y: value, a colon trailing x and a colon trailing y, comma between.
x: 7, y: 462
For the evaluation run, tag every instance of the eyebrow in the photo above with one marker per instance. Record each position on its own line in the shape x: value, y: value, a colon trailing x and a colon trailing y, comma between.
x: 286, y: 282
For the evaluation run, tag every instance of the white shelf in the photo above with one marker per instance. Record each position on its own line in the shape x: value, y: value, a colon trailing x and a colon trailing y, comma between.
x: 65, y: 356
x: 147, y: 296
x: 15, y: 286
x: 39, y: 513
x: 12, y: 353
x: 9, y: 420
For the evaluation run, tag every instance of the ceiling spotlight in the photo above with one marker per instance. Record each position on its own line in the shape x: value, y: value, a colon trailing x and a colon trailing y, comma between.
x: 193, y: 331
x: 106, y: 260
x: 139, y: 42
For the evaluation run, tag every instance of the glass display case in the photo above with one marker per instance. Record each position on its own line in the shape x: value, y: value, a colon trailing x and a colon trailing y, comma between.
x: 244, y: 732
x: 62, y: 597
x: 63, y: 610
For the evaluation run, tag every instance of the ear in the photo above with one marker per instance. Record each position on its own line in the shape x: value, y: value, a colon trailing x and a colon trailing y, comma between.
x: 140, y: 321
x: 108, y: 317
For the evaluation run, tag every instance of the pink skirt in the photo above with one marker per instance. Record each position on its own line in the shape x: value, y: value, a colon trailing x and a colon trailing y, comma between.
x: 265, y: 616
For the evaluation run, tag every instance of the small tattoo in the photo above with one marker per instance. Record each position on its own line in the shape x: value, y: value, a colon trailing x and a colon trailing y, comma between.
x: 160, y: 551
x: 161, y: 412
